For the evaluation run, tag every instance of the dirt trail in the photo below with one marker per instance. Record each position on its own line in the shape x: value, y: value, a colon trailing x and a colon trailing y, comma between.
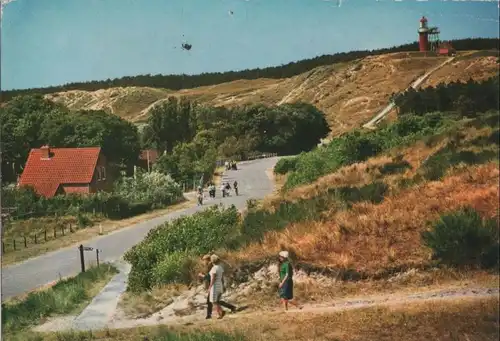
x: 331, y: 307
x: 197, y: 310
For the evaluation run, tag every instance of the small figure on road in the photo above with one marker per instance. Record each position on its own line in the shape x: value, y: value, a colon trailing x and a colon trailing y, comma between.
x: 286, y: 281
x: 223, y: 190
x: 211, y: 191
x: 235, y: 186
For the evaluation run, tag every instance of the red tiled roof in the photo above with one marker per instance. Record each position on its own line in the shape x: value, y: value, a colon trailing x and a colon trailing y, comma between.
x: 65, y: 166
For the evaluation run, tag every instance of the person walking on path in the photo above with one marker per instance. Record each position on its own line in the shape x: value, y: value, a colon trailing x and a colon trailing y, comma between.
x: 286, y: 281
x: 207, y: 278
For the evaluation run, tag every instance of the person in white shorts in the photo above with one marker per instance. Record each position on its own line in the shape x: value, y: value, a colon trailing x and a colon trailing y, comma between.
x: 215, y: 288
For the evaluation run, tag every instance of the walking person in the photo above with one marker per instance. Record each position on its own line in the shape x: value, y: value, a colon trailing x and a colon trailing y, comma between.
x: 286, y: 280
x: 235, y: 186
x: 207, y: 277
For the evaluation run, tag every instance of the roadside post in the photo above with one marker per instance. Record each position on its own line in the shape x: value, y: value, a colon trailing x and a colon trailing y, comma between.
x: 82, y: 256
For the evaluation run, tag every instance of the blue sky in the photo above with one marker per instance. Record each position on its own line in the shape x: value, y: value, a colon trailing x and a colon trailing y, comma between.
x: 51, y: 42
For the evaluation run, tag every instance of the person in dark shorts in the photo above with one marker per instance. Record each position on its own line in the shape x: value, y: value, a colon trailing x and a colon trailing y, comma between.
x: 206, y: 278
x: 286, y: 280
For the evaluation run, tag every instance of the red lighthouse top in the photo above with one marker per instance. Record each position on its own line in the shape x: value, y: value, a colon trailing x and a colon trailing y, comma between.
x: 424, y: 19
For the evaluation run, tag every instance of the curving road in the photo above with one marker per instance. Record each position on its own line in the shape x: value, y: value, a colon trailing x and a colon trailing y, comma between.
x: 33, y: 273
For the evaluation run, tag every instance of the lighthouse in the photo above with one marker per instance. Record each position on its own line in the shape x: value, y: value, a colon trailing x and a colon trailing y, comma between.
x: 423, y: 35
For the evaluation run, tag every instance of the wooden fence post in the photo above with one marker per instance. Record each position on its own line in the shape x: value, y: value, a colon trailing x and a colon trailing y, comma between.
x: 36, y: 242
x: 14, y: 244
x: 45, y: 234
x: 3, y: 247
x: 55, y: 232
x: 70, y: 228
x: 25, y: 242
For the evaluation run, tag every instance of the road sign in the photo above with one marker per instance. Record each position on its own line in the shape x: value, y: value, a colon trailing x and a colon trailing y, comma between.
x: 88, y: 248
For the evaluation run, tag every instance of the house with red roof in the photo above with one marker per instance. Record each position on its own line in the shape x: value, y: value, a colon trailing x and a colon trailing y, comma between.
x: 52, y: 171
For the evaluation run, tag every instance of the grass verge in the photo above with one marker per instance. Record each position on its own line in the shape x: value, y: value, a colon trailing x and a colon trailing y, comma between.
x: 65, y: 297
x: 460, y: 319
x: 107, y: 226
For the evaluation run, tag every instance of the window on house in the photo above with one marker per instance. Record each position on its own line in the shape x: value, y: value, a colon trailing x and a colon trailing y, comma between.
x: 103, y: 172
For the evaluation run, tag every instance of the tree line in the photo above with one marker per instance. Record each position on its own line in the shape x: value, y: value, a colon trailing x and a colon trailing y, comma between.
x: 193, y: 136
x: 28, y: 122
x: 466, y: 99
x: 177, y: 82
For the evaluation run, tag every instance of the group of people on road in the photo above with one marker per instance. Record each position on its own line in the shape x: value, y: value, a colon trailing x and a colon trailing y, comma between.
x: 231, y: 165
x: 214, y: 284
x: 225, y: 189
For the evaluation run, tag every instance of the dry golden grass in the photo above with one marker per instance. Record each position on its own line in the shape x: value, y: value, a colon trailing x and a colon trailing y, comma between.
x: 81, y: 235
x: 363, y: 173
x: 371, y: 237
x: 460, y: 320
x: 348, y: 93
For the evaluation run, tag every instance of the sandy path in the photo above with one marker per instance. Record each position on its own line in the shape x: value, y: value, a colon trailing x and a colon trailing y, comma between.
x: 65, y: 323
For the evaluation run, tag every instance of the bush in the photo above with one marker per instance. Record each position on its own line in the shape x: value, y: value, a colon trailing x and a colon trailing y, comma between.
x: 373, y: 192
x: 257, y: 221
x: 194, y: 235
x: 357, y: 147
x: 132, y: 196
x: 435, y: 167
x: 493, y: 138
x: 175, y: 267
x: 285, y: 165
x: 153, y: 188
x: 394, y: 167
x: 463, y: 238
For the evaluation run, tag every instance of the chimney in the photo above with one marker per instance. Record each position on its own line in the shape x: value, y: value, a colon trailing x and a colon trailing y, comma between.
x: 45, y: 152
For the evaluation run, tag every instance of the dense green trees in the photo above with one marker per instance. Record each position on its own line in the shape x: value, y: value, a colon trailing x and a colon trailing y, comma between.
x: 32, y: 121
x: 177, y: 82
x: 466, y: 99
x: 194, y: 135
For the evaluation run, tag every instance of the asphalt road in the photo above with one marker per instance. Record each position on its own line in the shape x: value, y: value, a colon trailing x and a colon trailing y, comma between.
x: 33, y: 273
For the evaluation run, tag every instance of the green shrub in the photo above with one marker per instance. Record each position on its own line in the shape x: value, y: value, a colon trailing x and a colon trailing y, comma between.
x: 394, y: 167
x: 175, y: 267
x: 148, y: 188
x: 132, y: 196
x: 436, y: 165
x: 285, y: 165
x: 82, y: 220
x: 62, y: 298
x: 196, y: 234
x: 493, y: 138
x: 373, y: 192
x: 463, y: 238
x: 258, y: 221
x: 357, y: 147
